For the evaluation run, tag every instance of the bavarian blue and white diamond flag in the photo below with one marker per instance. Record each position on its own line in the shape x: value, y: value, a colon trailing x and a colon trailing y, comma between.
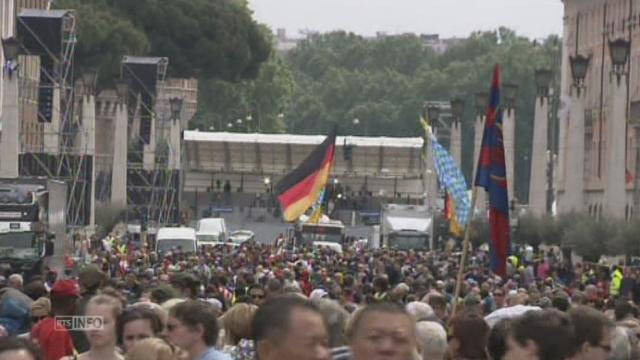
x: 452, y: 179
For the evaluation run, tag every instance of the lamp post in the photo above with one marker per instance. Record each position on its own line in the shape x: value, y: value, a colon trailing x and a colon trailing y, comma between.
x: 248, y: 121
x: 175, y: 105
x: 619, y: 50
x: 481, y: 102
x: 457, y: 107
x: 89, y: 78
x: 510, y: 93
x: 543, y: 80
x: 433, y: 113
x: 357, y: 121
x: 571, y: 196
x: 579, y: 66
x: 122, y: 90
x: 615, y: 194
x: 11, y: 50
x: 540, y: 155
x: 268, y: 186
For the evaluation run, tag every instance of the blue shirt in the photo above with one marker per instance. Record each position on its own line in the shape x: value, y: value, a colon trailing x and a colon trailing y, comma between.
x: 213, y: 354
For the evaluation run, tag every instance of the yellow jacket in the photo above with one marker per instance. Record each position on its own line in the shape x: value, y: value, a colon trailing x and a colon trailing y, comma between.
x: 616, y: 280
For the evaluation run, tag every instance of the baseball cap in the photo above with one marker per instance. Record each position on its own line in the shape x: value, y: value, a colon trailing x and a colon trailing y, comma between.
x: 90, y: 276
x: 65, y: 288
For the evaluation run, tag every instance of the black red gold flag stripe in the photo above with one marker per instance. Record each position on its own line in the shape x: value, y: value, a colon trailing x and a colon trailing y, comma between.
x: 299, y: 189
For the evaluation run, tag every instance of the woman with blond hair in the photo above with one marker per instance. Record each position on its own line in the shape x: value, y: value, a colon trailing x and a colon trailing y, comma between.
x: 238, y: 331
x: 151, y: 349
x: 102, y: 339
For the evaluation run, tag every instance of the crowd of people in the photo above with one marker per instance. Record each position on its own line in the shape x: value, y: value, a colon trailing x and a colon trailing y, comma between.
x: 264, y: 302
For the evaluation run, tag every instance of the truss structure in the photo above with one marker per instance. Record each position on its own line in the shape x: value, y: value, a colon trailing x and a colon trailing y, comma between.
x: 51, y: 36
x: 152, y: 187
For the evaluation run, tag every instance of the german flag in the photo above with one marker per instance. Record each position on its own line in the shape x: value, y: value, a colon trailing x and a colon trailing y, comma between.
x: 299, y: 190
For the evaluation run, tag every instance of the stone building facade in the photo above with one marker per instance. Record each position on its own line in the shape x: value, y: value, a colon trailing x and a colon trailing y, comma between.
x: 589, y: 25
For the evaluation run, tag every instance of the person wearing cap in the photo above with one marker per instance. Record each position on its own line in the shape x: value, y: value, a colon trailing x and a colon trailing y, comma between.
x: 51, y: 334
x: 90, y: 279
x: 40, y: 310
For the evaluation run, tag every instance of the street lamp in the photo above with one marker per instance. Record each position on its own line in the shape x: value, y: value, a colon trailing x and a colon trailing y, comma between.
x: 457, y: 108
x: 543, y: 80
x: 175, y: 105
x: 482, y: 102
x: 267, y: 184
x: 433, y: 113
x: 121, y: 90
x: 356, y: 121
x: 579, y: 67
x: 89, y: 77
x: 510, y: 92
x: 11, y: 48
x: 229, y: 125
x: 619, y: 50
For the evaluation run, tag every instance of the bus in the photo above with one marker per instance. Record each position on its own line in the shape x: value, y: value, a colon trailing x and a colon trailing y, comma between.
x: 29, y: 219
x: 325, y: 232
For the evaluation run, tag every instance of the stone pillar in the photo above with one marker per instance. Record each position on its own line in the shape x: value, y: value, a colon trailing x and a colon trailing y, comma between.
x: 149, y: 150
x: 10, y: 126
x: 481, y: 205
x: 430, y: 178
x: 573, y: 198
x: 509, y: 134
x: 119, y: 170
x: 566, y: 81
x: 88, y: 147
x: 174, y: 144
x: 538, y: 179
x: 52, y: 129
x: 456, y: 142
x: 615, y: 185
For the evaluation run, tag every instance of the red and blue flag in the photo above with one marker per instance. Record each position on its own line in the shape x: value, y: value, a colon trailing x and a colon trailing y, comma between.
x: 492, y: 175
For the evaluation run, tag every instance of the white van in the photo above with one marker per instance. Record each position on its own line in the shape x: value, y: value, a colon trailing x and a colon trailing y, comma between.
x: 211, y: 231
x: 173, y: 238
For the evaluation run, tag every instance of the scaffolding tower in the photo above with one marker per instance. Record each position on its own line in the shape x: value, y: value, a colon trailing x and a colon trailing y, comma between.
x: 51, y: 36
x: 152, y: 187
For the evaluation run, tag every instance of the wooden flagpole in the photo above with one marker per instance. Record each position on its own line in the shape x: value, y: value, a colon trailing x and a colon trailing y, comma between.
x: 465, y: 251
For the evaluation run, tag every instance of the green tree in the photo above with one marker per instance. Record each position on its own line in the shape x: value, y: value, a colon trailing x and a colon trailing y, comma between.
x: 264, y: 98
x: 383, y: 82
x: 202, y: 38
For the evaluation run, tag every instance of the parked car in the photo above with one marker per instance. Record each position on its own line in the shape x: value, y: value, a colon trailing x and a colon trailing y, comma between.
x: 240, y: 236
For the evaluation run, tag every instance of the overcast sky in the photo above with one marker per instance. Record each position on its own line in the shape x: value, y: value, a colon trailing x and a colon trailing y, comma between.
x: 449, y: 18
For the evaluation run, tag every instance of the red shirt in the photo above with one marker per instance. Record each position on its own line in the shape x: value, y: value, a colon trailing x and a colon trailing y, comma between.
x: 54, y: 340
